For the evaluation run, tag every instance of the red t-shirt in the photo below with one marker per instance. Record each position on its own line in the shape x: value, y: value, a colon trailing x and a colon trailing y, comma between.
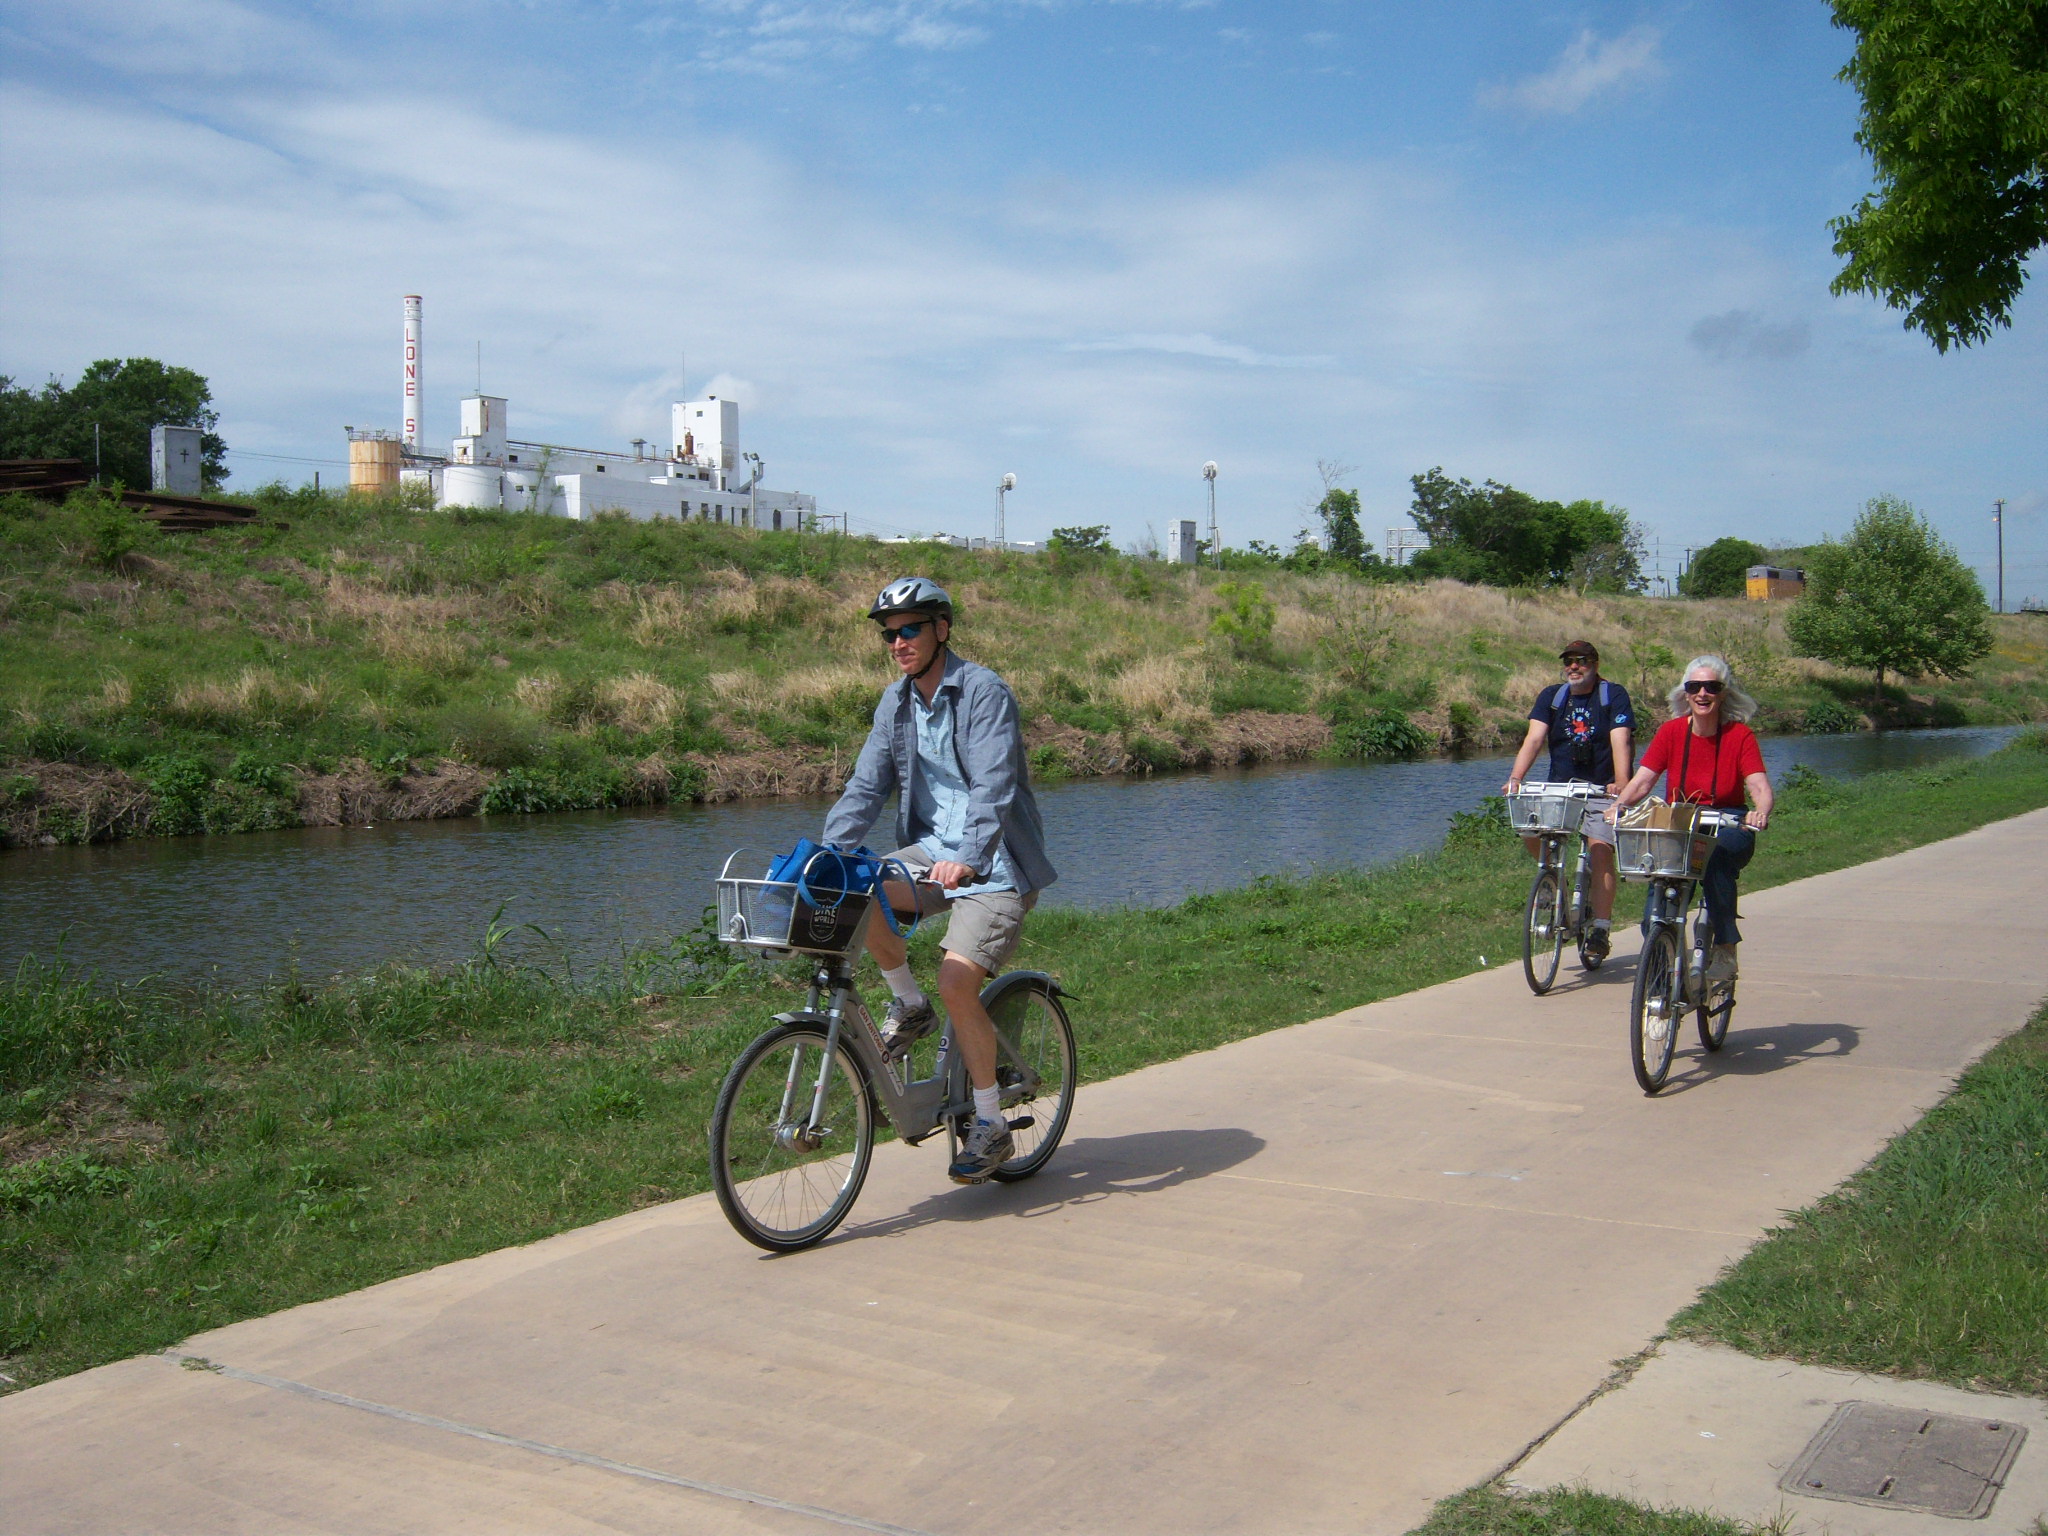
x: 1707, y: 770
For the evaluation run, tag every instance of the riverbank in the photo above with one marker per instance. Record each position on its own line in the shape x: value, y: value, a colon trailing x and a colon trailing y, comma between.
x: 355, y: 660
x: 173, y: 1164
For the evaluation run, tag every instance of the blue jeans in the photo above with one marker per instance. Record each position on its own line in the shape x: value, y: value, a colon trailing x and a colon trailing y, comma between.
x: 1732, y: 851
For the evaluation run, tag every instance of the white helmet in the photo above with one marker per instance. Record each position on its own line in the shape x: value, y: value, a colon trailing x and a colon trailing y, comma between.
x: 912, y: 594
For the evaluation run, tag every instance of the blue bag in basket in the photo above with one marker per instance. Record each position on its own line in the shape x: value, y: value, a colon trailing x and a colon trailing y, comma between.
x: 824, y: 877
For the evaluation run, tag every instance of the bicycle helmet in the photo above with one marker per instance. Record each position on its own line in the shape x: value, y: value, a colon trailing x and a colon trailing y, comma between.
x: 912, y: 594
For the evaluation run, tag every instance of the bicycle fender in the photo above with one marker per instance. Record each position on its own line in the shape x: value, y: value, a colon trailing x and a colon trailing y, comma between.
x: 1010, y: 981
x: 804, y: 1016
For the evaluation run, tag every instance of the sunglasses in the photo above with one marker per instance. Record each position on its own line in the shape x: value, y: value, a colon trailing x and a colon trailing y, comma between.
x: 1703, y: 685
x: 1576, y: 661
x: 905, y: 632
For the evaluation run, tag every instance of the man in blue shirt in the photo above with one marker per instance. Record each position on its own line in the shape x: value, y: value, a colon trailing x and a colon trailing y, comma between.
x: 948, y: 743
x: 1588, y: 725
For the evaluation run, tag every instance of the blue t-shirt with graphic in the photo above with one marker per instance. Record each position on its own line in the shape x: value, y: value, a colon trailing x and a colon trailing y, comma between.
x: 1581, y: 750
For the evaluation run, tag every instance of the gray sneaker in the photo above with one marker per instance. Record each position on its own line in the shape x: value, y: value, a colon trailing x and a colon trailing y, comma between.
x: 987, y: 1147
x: 1721, y: 964
x: 905, y: 1024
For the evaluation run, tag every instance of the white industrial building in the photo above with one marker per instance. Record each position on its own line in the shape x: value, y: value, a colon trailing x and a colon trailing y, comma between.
x: 695, y: 475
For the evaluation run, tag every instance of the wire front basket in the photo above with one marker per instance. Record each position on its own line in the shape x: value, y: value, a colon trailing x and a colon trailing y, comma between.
x: 1654, y: 841
x: 1537, y: 808
x: 782, y: 915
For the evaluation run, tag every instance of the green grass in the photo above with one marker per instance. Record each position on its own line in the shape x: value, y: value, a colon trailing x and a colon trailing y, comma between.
x: 1493, y: 1511
x: 177, y: 1164
x: 569, y: 665
x: 1932, y: 1262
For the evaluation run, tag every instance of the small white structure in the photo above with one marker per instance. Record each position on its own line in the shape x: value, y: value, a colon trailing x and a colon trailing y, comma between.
x: 1182, y: 547
x: 177, y: 458
x: 1404, y: 544
x: 695, y: 480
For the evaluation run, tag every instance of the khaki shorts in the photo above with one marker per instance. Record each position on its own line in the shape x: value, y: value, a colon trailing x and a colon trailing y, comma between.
x: 982, y: 928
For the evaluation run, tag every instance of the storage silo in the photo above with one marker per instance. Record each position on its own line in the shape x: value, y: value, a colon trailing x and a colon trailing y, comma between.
x: 373, y: 462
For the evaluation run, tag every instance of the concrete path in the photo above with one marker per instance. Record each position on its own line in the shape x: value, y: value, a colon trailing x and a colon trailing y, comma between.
x: 1700, y: 1427
x: 1310, y: 1282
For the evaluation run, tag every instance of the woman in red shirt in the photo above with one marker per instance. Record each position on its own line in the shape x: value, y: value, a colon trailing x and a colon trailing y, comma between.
x: 1709, y: 757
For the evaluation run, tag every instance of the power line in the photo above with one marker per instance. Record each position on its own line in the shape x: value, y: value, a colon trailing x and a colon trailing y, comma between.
x: 280, y: 458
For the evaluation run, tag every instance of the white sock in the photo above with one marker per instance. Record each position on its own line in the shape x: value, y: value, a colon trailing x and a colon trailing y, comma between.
x: 1603, y: 923
x: 902, y: 983
x: 988, y: 1104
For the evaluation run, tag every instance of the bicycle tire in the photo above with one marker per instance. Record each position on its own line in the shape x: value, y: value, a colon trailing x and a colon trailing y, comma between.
x: 1541, y: 951
x: 778, y: 1196
x: 1033, y: 1031
x: 1654, y: 1011
x: 1713, y: 1015
x: 1582, y: 927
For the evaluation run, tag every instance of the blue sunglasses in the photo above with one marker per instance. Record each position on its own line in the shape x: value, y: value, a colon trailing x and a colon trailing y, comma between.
x: 904, y: 632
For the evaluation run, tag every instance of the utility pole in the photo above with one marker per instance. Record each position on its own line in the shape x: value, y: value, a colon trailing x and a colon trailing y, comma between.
x: 95, y: 453
x: 1998, y: 522
x: 1215, y: 544
x: 1009, y: 484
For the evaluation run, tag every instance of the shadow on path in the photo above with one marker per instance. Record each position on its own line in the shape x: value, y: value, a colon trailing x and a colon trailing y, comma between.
x: 1753, y: 1052
x: 1081, y: 1172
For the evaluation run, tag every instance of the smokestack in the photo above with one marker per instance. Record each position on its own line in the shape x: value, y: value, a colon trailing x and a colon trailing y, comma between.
x: 412, y: 372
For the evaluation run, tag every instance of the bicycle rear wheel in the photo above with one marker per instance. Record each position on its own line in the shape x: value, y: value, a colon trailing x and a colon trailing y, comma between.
x: 783, y: 1180
x: 1654, y: 1010
x: 1717, y: 998
x: 1036, y: 1068
x: 1714, y: 1013
x: 1542, y: 934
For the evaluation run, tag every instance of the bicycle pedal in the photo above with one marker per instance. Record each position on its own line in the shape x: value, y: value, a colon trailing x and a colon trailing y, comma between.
x: 1022, y: 1123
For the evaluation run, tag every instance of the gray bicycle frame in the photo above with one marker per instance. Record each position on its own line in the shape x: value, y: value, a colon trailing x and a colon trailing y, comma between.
x: 1666, y: 905
x: 1566, y: 909
x: 916, y: 1107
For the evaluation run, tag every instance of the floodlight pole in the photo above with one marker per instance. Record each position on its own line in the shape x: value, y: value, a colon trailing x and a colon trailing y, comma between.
x: 1215, y: 544
x: 1009, y: 484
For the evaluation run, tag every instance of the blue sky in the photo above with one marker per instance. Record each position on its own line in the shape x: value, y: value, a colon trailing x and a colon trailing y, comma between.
x: 1579, y: 248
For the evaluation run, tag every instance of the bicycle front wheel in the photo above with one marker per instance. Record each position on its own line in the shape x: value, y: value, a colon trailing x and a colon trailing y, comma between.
x: 786, y: 1166
x: 1036, y: 1066
x: 1542, y: 934
x: 1654, y: 1010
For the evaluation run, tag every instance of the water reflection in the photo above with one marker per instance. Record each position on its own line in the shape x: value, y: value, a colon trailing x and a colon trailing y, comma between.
x: 236, y: 909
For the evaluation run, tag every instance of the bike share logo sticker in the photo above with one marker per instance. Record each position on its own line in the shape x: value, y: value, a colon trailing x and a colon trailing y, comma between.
x: 824, y: 922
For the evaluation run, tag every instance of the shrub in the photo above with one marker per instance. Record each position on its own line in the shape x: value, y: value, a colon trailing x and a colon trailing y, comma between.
x: 1151, y: 753
x: 1831, y: 717
x: 1246, y: 619
x: 1386, y: 733
x: 1481, y: 828
x: 43, y: 1181
x: 180, y: 787
x: 259, y: 773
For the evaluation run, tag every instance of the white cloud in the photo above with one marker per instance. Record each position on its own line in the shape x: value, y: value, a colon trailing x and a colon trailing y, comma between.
x: 1590, y: 66
x: 1201, y: 346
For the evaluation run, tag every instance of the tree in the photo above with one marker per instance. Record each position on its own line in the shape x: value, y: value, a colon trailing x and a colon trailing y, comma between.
x: 124, y: 398
x: 1343, y: 539
x: 1721, y: 569
x: 1495, y: 534
x: 1955, y: 119
x: 1891, y: 597
x: 1092, y: 539
x: 1246, y: 617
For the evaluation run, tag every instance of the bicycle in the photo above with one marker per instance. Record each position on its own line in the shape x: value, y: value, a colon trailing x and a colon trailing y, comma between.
x: 793, y: 1130
x: 1670, y: 858
x: 1553, y: 813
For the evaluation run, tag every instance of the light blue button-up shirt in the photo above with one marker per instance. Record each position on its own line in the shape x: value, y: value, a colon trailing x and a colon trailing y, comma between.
x: 938, y: 793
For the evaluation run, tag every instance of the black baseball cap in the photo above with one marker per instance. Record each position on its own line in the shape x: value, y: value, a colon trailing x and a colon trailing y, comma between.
x: 1585, y: 648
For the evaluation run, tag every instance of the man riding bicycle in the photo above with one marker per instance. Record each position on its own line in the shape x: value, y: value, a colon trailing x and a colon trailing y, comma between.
x: 1587, y: 723
x: 947, y: 741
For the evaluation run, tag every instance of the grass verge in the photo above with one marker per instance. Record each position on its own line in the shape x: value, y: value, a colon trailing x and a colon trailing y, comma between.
x: 175, y: 1164
x: 1929, y: 1262
x: 1493, y: 1511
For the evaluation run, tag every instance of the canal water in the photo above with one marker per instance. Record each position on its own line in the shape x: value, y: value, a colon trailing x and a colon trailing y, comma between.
x: 237, y: 909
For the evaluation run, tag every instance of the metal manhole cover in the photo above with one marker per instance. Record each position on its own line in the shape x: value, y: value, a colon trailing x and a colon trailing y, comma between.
x: 1900, y: 1458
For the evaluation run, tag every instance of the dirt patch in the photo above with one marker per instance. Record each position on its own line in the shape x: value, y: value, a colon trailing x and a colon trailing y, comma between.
x: 358, y: 794
x: 53, y: 803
